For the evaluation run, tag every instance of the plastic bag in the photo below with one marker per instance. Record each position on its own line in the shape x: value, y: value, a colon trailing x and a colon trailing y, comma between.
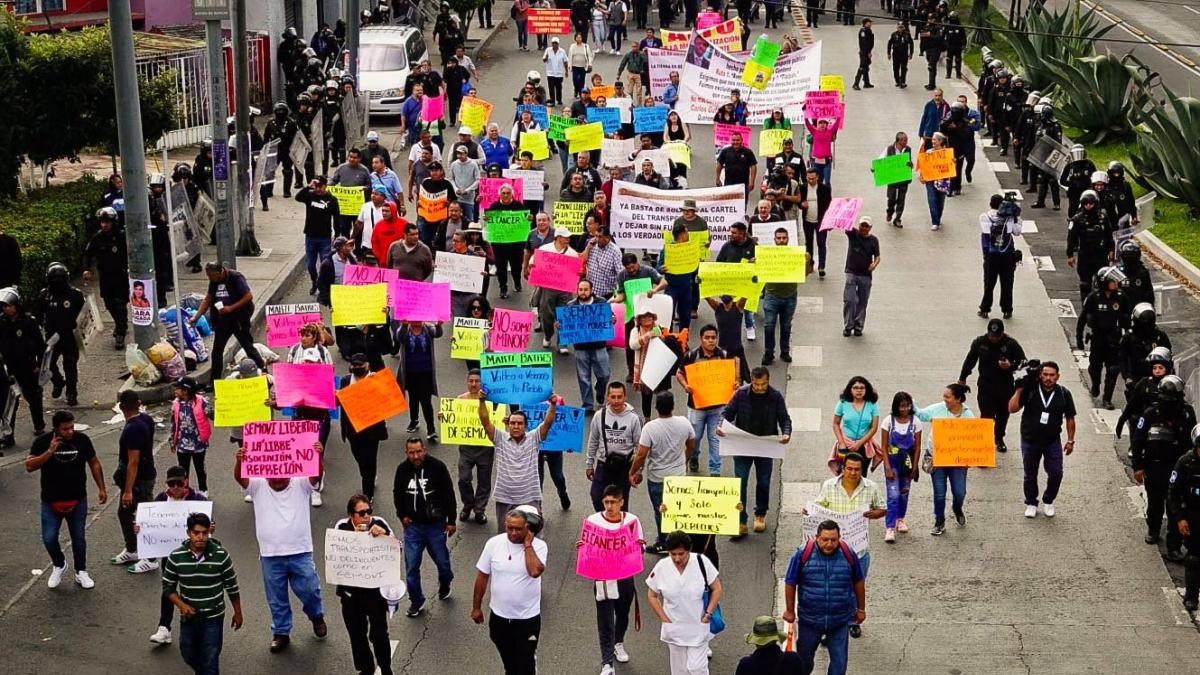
x: 192, y: 339
x: 161, y: 352
x: 144, y: 372
x: 174, y: 367
x: 268, y: 356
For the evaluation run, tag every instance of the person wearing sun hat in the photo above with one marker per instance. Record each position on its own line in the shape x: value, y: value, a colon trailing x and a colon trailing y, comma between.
x: 767, y: 658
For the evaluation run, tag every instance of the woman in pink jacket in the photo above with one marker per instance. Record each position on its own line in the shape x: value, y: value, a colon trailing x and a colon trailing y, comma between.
x: 191, y: 429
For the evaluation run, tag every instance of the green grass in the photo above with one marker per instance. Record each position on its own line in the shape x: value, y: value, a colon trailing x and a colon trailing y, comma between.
x: 973, y: 57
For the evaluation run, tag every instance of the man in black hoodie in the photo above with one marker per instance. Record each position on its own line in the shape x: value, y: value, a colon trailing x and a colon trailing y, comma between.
x: 424, y: 496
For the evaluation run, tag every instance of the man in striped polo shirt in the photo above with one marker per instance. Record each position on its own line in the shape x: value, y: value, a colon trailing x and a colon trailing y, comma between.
x: 196, y: 577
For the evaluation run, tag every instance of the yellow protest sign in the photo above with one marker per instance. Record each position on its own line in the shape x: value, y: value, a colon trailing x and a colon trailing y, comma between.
x: 719, y: 278
x: 936, y: 164
x: 458, y: 421
x: 702, y: 240
x: 585, y: 137
x: 680, y: 152
x: 359, y: 305
x: 833, y: 83
x: 770, y: 141
x: 349, y: 199
x: 475, y: 113
x: 675, y: 39
x: 964, y: 442
x: 682, y: 258
x: 701, y: 505
x: 753, y: 296
x: 780, y: 264
x: 241, y: 401
x: 571, y: 215
x: 536, y: 142
x: 467, y: 337
x: 756, y: 75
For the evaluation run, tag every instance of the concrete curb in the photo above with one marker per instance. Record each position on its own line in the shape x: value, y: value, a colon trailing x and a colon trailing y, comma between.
x: 1171, y: 259
x: 500, y: 25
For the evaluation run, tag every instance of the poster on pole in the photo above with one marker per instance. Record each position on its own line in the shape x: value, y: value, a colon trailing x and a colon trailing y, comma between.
x: 141, y: 302
x: 363, y: 561
x: 642, y: 214
x: 162, y: 526
x: 709, y: 73
x: 855, y: 530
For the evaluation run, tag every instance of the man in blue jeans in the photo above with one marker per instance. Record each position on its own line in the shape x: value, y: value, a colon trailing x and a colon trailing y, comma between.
x: 191, y: 574
x: 778, y: 305
x: 285, y: 546
x: 320, y: 219
x: 424, y: 496
x: 664, y: 448
x: 706, y: 420
x: 832, y: 597
x: 757, y: 409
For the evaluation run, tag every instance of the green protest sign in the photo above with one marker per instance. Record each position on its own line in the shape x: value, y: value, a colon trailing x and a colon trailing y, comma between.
x: 517, y: 359
x: 635, y: 287
x: 891, y: 170
x: 558, y: 127
x: 765, y: 53
x: 507, y: 227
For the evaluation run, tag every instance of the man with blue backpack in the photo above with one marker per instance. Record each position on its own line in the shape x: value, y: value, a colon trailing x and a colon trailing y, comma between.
x: 832, y: 597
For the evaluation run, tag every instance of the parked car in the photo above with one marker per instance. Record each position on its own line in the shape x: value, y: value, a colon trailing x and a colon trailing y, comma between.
x: 386, y: 54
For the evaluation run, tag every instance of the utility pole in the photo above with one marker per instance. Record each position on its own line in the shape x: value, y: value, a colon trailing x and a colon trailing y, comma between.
x: 352, y: 10
x: 133, y: 163
x: 247, y: 243
x: 213, y: 11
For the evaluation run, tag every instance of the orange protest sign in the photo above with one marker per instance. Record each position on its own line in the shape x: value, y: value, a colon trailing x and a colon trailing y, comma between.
x: 605, y: 90
x: 712, y: 381
x: 372, y: 399
x: 433, y: 206
x: 964, y: 442
x: 937, y: 164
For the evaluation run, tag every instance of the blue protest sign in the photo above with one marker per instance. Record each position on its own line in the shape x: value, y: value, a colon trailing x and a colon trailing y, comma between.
x: 540, y: 115
x: 585, y: 323
x: 609, y: 117
x: 517, y: 384
x: 650, y: 120
x: 566, y: 432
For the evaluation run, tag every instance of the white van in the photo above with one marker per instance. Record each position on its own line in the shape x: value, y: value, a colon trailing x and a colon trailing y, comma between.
x: 386, y: 55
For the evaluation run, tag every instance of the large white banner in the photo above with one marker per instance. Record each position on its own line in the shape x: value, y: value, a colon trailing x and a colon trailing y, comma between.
x: 641, y: 215
x: 709, y: 74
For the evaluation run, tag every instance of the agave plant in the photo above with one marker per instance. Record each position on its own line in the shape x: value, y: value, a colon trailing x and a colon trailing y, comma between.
x: 1165, y: 159
x: 1042, y: 44
x: 1096, y: 94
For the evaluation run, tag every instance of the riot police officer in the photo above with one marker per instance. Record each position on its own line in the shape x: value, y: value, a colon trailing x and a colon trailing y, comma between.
x: 932, y: 45
x: 202, y: 168
x: 1122, y: 193
x: 1107, y: 203
x: 106, y: 250
x: 1157, y: 365
x: 998, y: 110
x: 997, y: 354
x: 331, y: 117
x: 1023, y: 133
x: 1047, y: 126
x: 1157, y: 440
x: 283, y: 127
x: 160, y: 237
x: 22, y: 347
x: 1183, y: 508
x: 1077, y: 177
x: 987, y: 82
x: 1012, y: 106
x: 1137, y: 285
x: 1143, y: 338
x: 59, y: 305
x: 306, y: 111
x: 1106, y: 313
x: 956, y: 42
x: 1089, y: 241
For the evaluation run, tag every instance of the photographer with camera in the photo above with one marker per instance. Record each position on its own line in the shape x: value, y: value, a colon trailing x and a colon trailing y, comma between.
x: 998, y: 227
x: 1047, y: 406
x: 998, y: 355
x: 424, y: 495
x: 1106, y: 311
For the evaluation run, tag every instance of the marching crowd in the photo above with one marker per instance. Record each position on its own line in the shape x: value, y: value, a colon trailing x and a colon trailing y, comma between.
x: 625, y: 444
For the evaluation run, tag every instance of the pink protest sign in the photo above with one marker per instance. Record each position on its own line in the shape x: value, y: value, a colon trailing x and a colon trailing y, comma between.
x: 307, y: 384
x: 420, y: 301
x: 284, y: 322
x: 557, y: 271
x: 283, y: 449
x: 842, y: 213
x: 706, y: 19
x: 510, y: 330
x: 489, y: 190
x: 432, y: 108
x: 609, y: 555
x: 722, y: 133
x: 832, y: 110
x: 362, y: 275
x: 620, y: 333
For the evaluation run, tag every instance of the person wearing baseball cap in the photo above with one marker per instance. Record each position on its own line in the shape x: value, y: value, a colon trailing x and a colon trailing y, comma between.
x: 556, y: 60
x: 549, y: 299
x: 997, y: 354
x: 862, y: 257
x: 375, y: 149
x: 465, y: 139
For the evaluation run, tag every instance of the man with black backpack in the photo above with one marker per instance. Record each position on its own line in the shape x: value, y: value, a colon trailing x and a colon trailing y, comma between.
x: 611, y: 441
x: 997, y: 228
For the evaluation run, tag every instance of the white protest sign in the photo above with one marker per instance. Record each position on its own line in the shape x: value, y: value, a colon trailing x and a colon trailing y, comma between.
x: 660, y: 158
x: 662, y: 305
x: 162, y: 526
x: 642, y: 215
x: 360, y: 560
x: 738, y: 443
x: 709, y: 74
x: 659, y: 359
x: 764, y: 233
x: 532, y: 181
x: 463, y: 272
x: 661, y: 63
x: 625, y: 105
x: 616, y: 153
x: 855, y: 530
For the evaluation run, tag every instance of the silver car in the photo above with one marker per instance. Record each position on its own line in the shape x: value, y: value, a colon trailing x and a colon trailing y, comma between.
x: 386, y: 55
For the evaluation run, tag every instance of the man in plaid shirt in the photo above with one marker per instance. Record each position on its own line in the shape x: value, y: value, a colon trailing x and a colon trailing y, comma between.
x: 602, y: 259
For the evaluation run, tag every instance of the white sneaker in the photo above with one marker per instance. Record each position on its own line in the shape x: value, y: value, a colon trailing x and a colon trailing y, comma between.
x: 935, y: 228
x: 124, y: 558
x: 56, y: 574
x: 1031, y: 512
x: 750, y: 334
x: 162, y: 636
x: 607, y: 670
x: 622, y: 655
x: 889, y: 535
x: 1048, y: 509
x: 315, y: 499
x: 545, y: 343
x: 248, y: 499
x: 84, y: 580
x: 142, y: 566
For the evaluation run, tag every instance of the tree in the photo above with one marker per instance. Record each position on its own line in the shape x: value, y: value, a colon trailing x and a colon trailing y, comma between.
x: 980, y: 16
x: 14, y: 50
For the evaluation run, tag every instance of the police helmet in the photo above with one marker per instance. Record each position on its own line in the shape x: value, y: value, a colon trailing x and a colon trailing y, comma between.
x: 281, y: 109
x: 953, y: 16
x: 1116, y: 169
x: 1036, y: 93
x: 1107, y: 274
x: 10, y: 296
x: 996, y: 63
x: 1131, y: 252
x: 366, y: 14
x: 533, y: 76
x: 1143, y: 313
x: 305, y: 99
x: 1002, y: 74
x: 1032, y: 99
x: 299, y: 44
x: 157, y: 179
x: 1047, y: 110
x: 958, y: 105
x: 314, y: 90
x: 289, y: 32
x: 1018, y: 82
x: 335, y: 73
x: 309, y: 52
x: 1196, y: 436
x: 1171, y: 387
x: 1160, y: 355
x: 1088, y: 197
x: 206, y: 144
x: 348, y: 79
x: 1099, y: 177
x: 331, y: 84
x: 1047, y: 101
x: 107, y: 213
x: 181, y: 169
x: 57, y: 272
x: 1078, y: 152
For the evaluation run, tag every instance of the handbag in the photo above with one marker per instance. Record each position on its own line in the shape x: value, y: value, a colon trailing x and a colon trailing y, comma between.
x: 716, y: 622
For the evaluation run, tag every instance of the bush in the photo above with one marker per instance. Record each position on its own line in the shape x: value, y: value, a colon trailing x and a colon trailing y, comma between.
x: 51, y: 225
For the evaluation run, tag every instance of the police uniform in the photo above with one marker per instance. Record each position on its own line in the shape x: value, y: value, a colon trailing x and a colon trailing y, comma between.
x: 22, y: 347
x: 1137, y: 286
x: 1107, y: 314
x: 1023, y: 134
x: 1047, y: 127
x: 284, y: 128
x: 1183, y: 504
x: 59, y: 309
x: 1156, y: 442
x: 1077, y: 177
x: 1090, y: 242
x: 1135, y: 347
x: 161, y: 241
x: 995, y: 383
x: 107, y: 251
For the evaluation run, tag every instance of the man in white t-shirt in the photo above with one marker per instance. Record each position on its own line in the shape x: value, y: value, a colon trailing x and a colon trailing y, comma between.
x: 368, y: 215
x: 666, y: 445
x: 516, y: 560
x: 284, y: 533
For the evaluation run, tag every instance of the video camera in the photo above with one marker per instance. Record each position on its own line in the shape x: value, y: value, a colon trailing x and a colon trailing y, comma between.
x: 1010, y: 208
x: 1033, y: 372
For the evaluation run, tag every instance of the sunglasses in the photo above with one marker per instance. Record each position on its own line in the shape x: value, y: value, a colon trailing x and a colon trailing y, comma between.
x: 174, y: 483
x: 364, y: 512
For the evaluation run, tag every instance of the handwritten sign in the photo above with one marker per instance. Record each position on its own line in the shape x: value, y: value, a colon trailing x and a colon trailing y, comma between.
x: 458, y: 421
x: 532, y: 182
x: 360, y: 560
x: 892, y: 170
x: 683, y: 257
x: 701, y: 505
x: 680, y: 152
x: 162, y: 526
x: 515, y: 359
x: 537, y: 111
x: 349, y: 199
x: 284, y: 322
x: 549, y: 21
x: 304, y: 384
x: 605, y: 90
x: 634, y: 288
x: 712, y: 381
x: 586, y: 137
x: 433, y: 108
x: 616, y: 153
x: 536, y: 143
x: 736, y: 279
x: 738, y: 443
x: 834, y: 83
x: 464, y: 273
x: 571, y: 215
x: 780, y: 264
x: 770, y: 141
x: 964, y: 442
x: 585, y: 323
x: 608, y: 117
x: 823, y: 105
x: 517, y: 385
x: 566, y: 431
x: 854, y: 528
x: 372, y: 399
x: 359, y: 305
x: 650, y: 120
x: 364, y: 275
x: 489, y: 190
x: 282, y: 449
x: 842, y: 214
x: 937, y: 164
x: 559, y: 125
x: 510, y: 330
x: 467, y: 337
x: 557, y: 271
x: 506, y: 227
x: 241, y: 401
x: 421, y: 301
x: 723, y: 134
x: 475, y: 113
x: 609, y: 555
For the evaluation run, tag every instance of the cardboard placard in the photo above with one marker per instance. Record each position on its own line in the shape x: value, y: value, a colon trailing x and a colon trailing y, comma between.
x: 304, y: 384
x: 609, y: 555
x: 359, y: 305
x: 713, y: 381
x: 284, y: 449
x: 963, y: 441
x: 556, y: 271
x: 701, y: 505
x: 937, y: 164
x: 284, y: 322
x: 360, y: 560
x: 467, y: 338
x: 585, y: 323
x: 239, y: 401
x: 458, y: 421
x: 420, y: 301
x: 510, y: 330
x: 842, y: 214
x: 162, y: 526
x: 373, y: 399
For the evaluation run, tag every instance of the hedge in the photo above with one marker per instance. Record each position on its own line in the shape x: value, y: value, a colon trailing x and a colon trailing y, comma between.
x: 51, y: 225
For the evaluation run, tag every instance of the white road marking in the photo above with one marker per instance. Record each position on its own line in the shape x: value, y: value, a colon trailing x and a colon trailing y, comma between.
x: 805, y: 419
x: 1066, y: 310
x: 1120, y: 22
x: 999, y: 167
x: 1029, y: 227
x: 1044, y: 263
